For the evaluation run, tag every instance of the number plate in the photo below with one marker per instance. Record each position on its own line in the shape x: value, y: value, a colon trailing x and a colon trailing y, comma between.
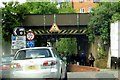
x: 32, y: 67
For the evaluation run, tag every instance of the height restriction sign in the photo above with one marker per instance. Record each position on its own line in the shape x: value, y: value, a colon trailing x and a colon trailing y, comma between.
x: 30, y: 36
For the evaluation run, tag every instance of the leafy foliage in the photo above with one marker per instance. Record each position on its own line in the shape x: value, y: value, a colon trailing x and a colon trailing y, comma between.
x: 41, y: 7
x: 100, y: 20
x: 115, y: 17
x: 101, y: 63
x: 48, y: 8
x: 12, y: 16
x: 67, y: 45
x: 66, y: 8
x: 99, y: 24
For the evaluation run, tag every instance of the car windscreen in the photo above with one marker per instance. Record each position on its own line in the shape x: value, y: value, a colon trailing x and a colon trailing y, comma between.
x: 33, y: 53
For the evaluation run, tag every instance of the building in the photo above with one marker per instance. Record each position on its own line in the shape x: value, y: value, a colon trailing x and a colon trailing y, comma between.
x: 83, y: 6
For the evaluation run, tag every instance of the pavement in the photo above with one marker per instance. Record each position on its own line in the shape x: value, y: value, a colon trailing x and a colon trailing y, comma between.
x: 101, y: 75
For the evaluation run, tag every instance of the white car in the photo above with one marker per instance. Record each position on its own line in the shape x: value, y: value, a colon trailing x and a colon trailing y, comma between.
x: 38, y: 62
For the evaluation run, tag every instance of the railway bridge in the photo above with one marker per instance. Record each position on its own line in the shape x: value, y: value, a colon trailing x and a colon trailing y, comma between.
x: 66, y: 26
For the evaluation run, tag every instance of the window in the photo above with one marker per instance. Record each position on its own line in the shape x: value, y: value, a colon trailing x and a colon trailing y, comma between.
x: 33, y: 53
x: 96, y: 1
x: 81, y: 10
x: 89, y: 9
x: 81, y: 0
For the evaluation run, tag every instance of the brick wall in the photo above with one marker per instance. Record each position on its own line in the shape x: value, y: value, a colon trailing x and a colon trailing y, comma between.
x: 86, y: 4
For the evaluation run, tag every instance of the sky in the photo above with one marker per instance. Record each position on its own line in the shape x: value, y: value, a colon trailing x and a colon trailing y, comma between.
x: 22, y: 1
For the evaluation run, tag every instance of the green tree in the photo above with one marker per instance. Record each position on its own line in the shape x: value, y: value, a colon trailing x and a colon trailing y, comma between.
x: 100, y: 20
x: 66, y: 7
x: 41, y: 7
x: 12, y: 16
x: 67, y: 45
x: 115, y: 17
x: 49, y: 8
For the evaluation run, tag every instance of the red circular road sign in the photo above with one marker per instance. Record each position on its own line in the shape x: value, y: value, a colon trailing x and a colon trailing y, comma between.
x: 30, y: 36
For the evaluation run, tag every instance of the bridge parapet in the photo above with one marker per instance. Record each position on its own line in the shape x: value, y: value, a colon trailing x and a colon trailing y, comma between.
x: 66, y: 19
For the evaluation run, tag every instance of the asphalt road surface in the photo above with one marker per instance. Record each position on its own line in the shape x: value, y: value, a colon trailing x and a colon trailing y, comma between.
x: 102, y: 75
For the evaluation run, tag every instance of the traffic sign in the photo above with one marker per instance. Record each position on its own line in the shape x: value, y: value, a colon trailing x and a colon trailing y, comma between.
x: 18, y: 42
x: 19, y: 31
x: 15, y: 31
x: 54, y: 28
x: 13, y: 38
x: 30, y: 44
x: 30, y: 36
